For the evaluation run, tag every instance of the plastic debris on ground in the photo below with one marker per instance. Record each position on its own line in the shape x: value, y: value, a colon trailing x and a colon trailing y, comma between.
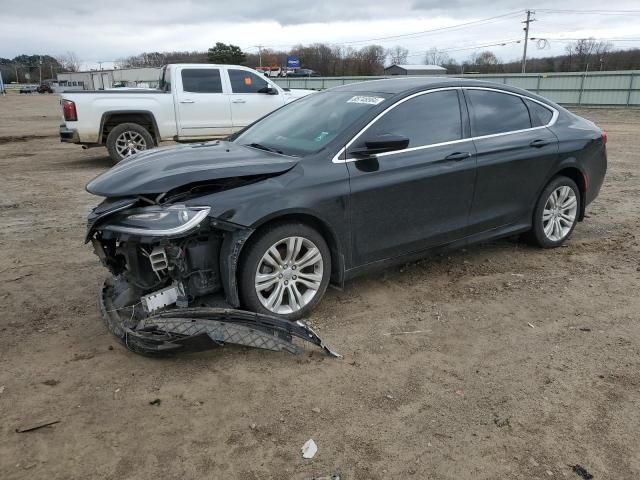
x: 309, y: 449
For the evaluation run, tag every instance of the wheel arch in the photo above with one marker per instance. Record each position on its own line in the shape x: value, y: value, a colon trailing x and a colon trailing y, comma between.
x: 579, y: 177
x: 318, y: 224
x: 113, y: 118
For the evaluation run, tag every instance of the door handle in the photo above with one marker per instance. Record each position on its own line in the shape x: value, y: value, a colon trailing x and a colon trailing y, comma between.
x: 457, y: 156
x: 238, y: 100
x: 187, y: 101
x: 539, y: 143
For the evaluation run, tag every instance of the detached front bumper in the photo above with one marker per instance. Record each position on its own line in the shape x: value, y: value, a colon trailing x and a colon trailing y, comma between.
x: 204, y: 328
x: 69, y: 135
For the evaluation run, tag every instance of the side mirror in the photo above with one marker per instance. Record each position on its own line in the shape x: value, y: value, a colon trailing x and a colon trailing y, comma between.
x: 380, y: 144
x: 268, y: 90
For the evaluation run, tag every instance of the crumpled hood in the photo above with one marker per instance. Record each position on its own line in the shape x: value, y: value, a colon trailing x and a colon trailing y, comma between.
x: 163, y: 169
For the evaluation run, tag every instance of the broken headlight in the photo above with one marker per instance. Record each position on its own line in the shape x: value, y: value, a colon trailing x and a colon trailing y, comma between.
x: 156, y: 220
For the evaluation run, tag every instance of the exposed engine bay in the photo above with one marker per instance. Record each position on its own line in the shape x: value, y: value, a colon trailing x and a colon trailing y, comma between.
x: 174, y: 289
x: 162, y: 273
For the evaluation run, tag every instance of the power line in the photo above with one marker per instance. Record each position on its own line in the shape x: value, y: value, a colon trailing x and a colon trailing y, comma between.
x: 420, y: 33
x: 471, y: 47
x: 434, y: 30
x: 600, y: 39
x: 590, y: 12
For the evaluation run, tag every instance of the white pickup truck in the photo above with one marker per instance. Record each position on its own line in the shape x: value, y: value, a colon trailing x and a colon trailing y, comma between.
x: 193, y: 102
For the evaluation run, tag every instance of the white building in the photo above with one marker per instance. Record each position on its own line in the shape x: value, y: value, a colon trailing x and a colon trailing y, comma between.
x: 103, y: 79
x: 415, y: 70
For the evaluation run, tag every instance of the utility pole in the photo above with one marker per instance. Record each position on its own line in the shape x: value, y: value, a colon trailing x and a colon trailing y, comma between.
x: 259, y: 47
x: 526, y: 39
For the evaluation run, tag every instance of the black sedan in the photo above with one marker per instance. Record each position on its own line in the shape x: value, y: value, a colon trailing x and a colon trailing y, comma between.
x: 339, y: 183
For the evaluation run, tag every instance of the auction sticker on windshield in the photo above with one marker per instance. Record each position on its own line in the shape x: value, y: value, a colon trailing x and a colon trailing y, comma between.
x: 367, y: 100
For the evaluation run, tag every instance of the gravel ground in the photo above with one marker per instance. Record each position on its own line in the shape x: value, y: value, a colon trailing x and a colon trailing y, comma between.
x: 524, y: 361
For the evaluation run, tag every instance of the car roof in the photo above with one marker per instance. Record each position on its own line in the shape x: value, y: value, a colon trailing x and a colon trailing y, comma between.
x: 408, y: 84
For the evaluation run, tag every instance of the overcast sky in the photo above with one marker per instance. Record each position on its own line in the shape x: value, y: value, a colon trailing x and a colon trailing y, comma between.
x: 97, y: 30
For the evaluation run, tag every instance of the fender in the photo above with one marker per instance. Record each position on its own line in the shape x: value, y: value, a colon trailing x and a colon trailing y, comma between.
x: 236, y: 238
x: 229, y: 259
x: 335, y: 243
x: 568, y: 162
x: 128, y: 112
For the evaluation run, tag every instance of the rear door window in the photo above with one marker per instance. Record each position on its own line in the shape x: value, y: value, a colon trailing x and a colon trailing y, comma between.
x: 539, y: 115
x: 243, y: 81
x: 425, y: 120
x: 494, y: 112
x: 201, y: 80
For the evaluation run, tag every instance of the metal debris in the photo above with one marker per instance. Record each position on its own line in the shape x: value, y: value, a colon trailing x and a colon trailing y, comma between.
x: 36, y: 426
x: 581, y: 472
x: 407, y: 333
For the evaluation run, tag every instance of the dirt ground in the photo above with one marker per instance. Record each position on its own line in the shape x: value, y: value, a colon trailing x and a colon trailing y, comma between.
x: 524, y: 362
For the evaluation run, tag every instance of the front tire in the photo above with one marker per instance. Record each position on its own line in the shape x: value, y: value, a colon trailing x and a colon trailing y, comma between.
x: 128, y: 139
x: 556, y: 213
x: 285, y: 271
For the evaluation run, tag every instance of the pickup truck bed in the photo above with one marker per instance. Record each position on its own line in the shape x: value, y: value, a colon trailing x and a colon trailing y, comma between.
x: 194, y: 102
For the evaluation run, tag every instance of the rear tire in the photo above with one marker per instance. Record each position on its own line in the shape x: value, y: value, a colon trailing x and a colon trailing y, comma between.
x: 284, y: 271
x: 128, y: 139
x: 556, y: 213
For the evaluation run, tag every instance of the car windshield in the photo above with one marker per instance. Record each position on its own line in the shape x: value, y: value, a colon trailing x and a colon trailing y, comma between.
x: 306, y: 126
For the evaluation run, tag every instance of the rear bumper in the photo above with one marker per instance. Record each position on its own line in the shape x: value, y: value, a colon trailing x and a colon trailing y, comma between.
x: 596, y: 172
x: 68, y: 135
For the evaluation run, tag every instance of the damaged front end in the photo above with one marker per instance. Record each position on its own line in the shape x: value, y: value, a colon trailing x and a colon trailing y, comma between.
x: 173, y: 286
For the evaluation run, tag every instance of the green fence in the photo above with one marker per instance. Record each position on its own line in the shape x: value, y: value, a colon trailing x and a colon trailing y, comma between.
x: 619, y: 88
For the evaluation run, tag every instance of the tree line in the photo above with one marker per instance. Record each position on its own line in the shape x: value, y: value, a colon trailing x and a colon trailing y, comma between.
x: 586, y: 54
x: 336, y: 60
x: 29, y: 68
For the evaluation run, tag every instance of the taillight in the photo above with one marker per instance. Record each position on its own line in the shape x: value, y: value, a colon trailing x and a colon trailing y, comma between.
x: 604, y: 137
x: 69, y: 111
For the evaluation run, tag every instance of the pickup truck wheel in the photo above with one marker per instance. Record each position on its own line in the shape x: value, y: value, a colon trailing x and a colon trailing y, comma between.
x: 127, y: 139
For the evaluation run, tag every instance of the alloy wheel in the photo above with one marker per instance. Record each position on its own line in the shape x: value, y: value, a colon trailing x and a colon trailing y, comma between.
x: 289, y: 275
x: 130, y: 142
x: 560, y: 212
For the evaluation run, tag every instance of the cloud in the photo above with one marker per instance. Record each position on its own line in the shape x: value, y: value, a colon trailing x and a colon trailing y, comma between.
x: 102, y: 31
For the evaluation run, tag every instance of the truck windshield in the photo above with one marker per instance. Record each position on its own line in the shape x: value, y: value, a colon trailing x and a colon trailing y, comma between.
x: 307, y: 125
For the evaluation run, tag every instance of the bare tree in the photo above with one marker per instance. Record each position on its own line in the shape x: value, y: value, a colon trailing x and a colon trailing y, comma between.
x: 69, y: 61
x: 146, y: 59
x: 371, y: 60
x: 587, y: 51
x: 397, y: 55
x: 484, y: 62
x: 435, y: 56
x: 484, y: 58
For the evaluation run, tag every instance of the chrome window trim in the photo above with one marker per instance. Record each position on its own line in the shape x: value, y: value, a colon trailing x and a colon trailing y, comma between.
x: 554, y: 118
